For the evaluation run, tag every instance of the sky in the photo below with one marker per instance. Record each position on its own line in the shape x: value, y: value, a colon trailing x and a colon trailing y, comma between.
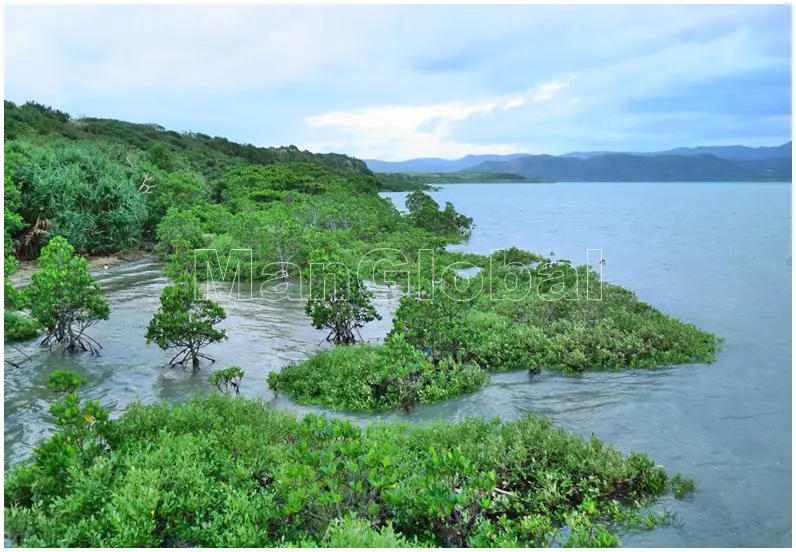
x: 399, y: 82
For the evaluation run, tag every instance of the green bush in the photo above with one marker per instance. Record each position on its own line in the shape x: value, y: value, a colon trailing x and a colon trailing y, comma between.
x: 498, y: 345
x: 238, y: 473
x: 64, y: 298
x: 228, y: 380
x: 338, y: 301
x: 451, y: 335
x: 374, y: 378
x: 562, y: 317
x: 425, y: 213
x: 180, y: 190
x: 78, y: 192
x: 18, y: 327
x: 65, y: 381
x: 186, y: 321
x: 180, y: 231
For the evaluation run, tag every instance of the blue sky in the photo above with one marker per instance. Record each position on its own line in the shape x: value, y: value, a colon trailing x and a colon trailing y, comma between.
x: 395, y: 82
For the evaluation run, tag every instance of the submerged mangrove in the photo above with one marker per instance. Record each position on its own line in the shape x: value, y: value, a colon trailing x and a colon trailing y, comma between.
x: 233, y: 472
x: 227, y: 471
x: 536, y: 314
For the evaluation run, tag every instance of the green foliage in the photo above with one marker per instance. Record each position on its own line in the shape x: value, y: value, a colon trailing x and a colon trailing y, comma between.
x: 536, y: 313
x: 433, y: 318
x: 179, y: 190
x: 167, y: 150
x: 12, y: 296
x: 77, y: 192
x: 225, y: 472
x: 65, y: 381
x: 444, y: 337
x: 33, y: 117
x: 681, y: 486
x: 338, y: 301
x: 18, y: 327
x: 425, y: 213
x: 228, y: 380
x: 246, y: 186
x: 64, y: 298
x: 185, y: 321
x: 591, y: 325
x: 499, y: 345
x: 352, y: 532
x: 100, y: 182
x: 83, y: 430
x: 375, y: 378
x: 12, y: 220
x: 180, y: 231
x: 279, y: 239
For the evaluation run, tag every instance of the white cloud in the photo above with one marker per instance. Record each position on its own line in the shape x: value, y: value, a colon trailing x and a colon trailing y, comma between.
x: 403, y: 131
x: 399, y: 81
x: 75, y: 50
x: 548, y: 90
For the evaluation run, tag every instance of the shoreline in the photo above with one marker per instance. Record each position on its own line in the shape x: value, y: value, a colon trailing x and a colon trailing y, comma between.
x: 26, y: 269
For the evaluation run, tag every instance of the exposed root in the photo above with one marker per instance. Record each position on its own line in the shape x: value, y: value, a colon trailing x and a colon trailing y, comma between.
x: 187, y: 354
x: 72, y: 342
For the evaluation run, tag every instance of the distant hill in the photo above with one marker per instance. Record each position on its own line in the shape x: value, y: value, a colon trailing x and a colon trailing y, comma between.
x: 737, y: 152
x: 702, y: 163
x: 622, y: 167
x: 435, y: 164
x: 725, y: 152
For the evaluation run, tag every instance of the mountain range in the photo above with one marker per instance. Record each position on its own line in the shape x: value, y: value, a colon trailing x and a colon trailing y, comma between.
x: 699, y: 164
x: 437, y: 165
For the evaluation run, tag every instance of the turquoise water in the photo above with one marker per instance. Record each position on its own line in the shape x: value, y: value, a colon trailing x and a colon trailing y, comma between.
x: 717, y: 255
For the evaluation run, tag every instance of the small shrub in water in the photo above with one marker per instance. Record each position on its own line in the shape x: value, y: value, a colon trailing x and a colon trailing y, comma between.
x: 65, y: 381
x: 228, y: 380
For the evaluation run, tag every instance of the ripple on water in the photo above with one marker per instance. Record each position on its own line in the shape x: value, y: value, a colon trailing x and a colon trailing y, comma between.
x: 727, y: 425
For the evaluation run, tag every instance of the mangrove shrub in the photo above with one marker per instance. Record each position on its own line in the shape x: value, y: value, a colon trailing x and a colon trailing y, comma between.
x: 232, y: 472
x: 338, y: 301
x: 186, y: 322
x: 64, y: 298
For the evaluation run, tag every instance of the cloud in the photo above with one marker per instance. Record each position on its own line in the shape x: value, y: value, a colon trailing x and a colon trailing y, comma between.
x: 398, y: 132
x: 399, y: 81
x: 81, y: 49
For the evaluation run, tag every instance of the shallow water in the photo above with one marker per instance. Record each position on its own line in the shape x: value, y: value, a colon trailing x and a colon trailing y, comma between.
x: 717, y: 255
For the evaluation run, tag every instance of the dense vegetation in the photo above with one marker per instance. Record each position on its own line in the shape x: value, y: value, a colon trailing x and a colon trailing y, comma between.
x: 372, y: 378
x: 170, y: 151
x: 232, y: 472
x: 103, y: 183
x: 522, y: 311
x: 237, y: 473
x: 16, y: 325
